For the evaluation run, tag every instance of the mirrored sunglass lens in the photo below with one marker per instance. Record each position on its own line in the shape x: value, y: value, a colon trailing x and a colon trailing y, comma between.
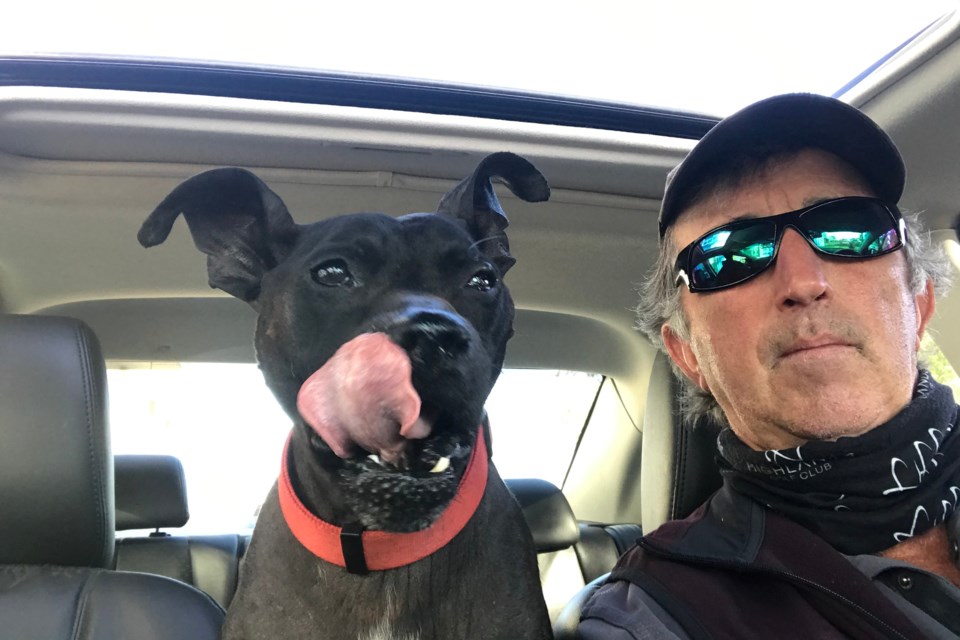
x: 732, y: 254
x: 851, y: 229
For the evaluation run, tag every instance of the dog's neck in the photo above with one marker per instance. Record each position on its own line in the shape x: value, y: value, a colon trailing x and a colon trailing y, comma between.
x: 360, y: 551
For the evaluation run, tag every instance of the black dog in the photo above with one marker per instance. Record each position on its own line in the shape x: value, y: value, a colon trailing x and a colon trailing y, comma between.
x: 381, y: 337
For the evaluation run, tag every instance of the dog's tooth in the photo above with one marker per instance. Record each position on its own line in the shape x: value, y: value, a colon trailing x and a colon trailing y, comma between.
x: 442, y: 465
x: 375, y: 458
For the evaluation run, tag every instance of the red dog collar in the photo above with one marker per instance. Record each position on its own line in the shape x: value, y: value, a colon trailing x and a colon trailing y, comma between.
x: 359, y: 550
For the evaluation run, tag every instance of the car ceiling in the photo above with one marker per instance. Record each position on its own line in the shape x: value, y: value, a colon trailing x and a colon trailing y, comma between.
x: 80, y: 169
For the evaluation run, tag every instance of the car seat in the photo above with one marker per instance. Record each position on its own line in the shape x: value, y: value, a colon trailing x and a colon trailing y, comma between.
x: 678, y: 471
x: 57, y: 503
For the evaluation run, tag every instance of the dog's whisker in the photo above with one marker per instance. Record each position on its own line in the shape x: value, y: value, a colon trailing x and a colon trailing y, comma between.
x: 482, y: 240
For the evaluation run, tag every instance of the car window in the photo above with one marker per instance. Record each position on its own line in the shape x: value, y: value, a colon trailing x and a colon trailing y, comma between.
x: 933, y: 358
x: 223, y: 424
x: 705, y: 57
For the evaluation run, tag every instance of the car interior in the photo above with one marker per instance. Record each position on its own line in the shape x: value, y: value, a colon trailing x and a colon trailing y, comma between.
x: 89, y: 146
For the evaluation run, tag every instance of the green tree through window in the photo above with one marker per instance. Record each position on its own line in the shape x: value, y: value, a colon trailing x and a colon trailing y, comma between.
x: 933, y: 359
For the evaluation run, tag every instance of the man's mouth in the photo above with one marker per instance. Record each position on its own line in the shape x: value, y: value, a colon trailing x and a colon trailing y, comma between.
x: 819, y: 345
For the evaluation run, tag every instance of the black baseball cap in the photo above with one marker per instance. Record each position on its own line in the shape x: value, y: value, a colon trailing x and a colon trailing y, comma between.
x: 788, y: 122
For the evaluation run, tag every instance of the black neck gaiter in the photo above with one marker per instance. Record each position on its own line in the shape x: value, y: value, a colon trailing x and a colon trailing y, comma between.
x: 867, y: 493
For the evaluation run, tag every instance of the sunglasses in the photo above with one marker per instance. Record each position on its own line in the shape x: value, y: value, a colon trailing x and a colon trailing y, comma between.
x: 848, y: 228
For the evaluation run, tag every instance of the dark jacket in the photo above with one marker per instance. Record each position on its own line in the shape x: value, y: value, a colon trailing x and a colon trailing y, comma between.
x: 736, y: 570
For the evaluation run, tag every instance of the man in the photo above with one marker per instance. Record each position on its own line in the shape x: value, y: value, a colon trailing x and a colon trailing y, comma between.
x: 791, y: 295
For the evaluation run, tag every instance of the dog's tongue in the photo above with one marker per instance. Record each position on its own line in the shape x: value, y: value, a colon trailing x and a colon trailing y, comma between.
x: 363, y: 397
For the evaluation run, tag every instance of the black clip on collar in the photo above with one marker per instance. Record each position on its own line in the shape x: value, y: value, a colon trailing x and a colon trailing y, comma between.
x: 352, y: 547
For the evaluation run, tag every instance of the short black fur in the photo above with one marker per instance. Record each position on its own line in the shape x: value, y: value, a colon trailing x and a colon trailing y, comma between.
x: 433, y: 284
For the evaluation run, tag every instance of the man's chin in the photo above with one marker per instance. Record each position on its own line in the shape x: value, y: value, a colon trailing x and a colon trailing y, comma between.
x: 847, y: 417
x: 826, y: 417
x: 830, y: 433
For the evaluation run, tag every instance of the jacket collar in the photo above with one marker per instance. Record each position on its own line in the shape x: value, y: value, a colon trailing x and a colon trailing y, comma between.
x: 727, y: 527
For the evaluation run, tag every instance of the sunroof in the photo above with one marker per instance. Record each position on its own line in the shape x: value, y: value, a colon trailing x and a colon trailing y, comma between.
x: 707, y: 57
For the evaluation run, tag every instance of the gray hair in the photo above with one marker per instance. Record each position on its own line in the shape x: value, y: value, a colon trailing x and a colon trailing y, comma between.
x: 660, y: 301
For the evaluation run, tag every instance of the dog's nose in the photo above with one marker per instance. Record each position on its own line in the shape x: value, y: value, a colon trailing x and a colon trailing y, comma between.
x: 435, y: 333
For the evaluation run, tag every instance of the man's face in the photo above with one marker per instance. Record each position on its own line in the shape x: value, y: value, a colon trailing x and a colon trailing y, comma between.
x: 813, y: 348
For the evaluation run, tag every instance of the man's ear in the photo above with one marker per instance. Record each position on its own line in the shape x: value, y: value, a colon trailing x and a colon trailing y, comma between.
x: 683, y: 356
x: 925, y: 304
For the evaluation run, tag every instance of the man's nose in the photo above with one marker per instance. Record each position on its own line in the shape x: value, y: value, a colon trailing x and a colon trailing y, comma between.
x: 799, y: 272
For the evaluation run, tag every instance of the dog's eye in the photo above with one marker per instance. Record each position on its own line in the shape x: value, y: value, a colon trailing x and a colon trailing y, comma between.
x: 333, y: 273
x: 483, y: 280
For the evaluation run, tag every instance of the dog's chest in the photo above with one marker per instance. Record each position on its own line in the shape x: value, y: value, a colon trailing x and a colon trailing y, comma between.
x: 385, y: 631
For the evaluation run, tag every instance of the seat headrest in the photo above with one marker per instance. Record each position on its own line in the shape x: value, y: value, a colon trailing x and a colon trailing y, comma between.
x: 151, y: 492
x: 56, y: 472
x: 547, y: 512
x: 678, y: 470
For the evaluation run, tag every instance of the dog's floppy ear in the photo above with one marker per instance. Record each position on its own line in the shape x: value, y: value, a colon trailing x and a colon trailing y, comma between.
x: 234, y: 218
x: 474, y: 201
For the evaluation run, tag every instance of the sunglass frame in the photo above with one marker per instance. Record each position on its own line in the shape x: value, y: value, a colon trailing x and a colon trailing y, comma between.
x: 781, y: 222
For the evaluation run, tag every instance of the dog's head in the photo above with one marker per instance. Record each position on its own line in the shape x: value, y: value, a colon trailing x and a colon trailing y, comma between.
x: 390, y: 332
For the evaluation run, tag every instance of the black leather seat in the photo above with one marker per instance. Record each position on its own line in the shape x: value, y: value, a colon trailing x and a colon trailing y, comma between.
x: 601, y: 545
x: 569, y: 554
x: 678, y: 472
x: 678, y: 467
x: 151, y: 494
x: 57, y: 503
x: 555, y: 534
x: 547, y: 512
